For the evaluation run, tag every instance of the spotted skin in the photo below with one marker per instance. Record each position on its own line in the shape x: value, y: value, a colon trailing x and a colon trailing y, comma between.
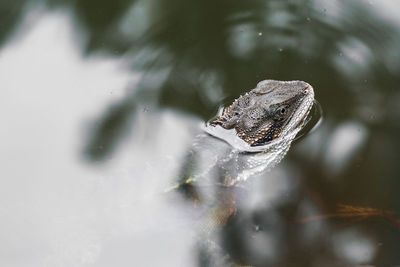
x: 267, y: 112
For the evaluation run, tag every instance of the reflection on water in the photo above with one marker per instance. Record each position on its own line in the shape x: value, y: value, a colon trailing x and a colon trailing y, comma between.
x: 124, y: 83
x: 344, y: 143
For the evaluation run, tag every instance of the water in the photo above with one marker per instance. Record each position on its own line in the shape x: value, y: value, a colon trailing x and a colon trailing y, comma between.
x: 101, y: 101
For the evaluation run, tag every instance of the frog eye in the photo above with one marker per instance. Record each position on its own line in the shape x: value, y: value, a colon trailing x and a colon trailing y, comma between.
x: 282, y: 110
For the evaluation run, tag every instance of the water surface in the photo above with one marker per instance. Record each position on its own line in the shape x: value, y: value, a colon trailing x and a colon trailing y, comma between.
x: 101, y: 101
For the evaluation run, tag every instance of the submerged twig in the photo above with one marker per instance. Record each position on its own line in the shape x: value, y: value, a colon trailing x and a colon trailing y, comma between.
x: 358, y: 213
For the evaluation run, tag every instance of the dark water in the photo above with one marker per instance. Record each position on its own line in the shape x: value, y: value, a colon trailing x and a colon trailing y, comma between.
x: 101, y: 100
